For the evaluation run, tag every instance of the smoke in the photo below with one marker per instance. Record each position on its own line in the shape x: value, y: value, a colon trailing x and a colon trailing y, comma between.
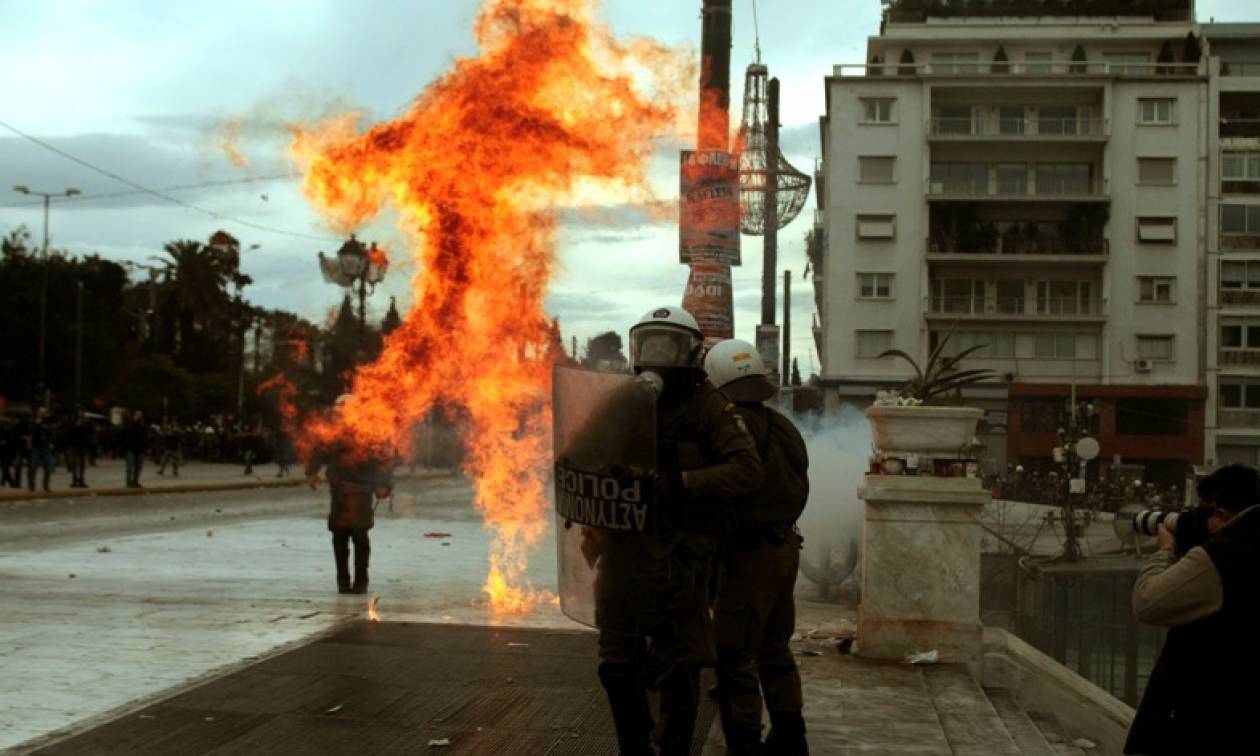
x: 839, y: 445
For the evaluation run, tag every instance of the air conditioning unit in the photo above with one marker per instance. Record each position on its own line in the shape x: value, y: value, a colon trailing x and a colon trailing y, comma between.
x: 1142, y: 366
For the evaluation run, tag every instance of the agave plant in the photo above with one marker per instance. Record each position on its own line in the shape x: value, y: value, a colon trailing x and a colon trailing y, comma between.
x: 941, y: 374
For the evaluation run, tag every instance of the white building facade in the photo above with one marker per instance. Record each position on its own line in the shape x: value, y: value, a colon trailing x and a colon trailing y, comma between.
x: 1036, y: 185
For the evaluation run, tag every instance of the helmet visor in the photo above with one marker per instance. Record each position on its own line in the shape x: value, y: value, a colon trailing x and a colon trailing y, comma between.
x: 661, y: 347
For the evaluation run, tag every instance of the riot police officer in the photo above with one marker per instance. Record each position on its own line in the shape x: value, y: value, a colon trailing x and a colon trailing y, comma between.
x: 650, y: 588
x: 355, y: 479
x: 754, y: 613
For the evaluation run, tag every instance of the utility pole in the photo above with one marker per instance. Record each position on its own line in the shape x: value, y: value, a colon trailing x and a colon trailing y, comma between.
x: 770, y: 241
x: 787, y: 326
x: 43, y: 277
x: 78, y: 345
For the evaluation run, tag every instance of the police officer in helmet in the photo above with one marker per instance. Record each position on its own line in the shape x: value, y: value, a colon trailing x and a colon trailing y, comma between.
x: 754, y: 613
x: 650, y: 588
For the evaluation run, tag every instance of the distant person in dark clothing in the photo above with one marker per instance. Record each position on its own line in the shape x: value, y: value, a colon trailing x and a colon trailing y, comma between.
x: 38, y: 440
x: 78, y: 444
x: 172, y: 439
x: 135, y: 441
x: 355, y: 480
x: 10, y: 455
x: 282, y: 454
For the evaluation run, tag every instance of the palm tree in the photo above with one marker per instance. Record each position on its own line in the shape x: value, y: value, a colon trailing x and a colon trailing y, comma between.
x: 193, y: 293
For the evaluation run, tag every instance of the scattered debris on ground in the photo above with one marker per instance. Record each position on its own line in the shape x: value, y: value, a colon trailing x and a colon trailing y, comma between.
x: 924, y: 657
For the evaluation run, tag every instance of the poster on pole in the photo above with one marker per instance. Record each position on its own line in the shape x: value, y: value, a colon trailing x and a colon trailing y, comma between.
x: 708, y: 213
x: 768, y: 347
x: 709, y: 299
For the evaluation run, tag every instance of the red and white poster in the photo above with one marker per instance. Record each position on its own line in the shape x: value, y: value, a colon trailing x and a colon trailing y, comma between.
x: 708, y: 213
x: 709, y: 299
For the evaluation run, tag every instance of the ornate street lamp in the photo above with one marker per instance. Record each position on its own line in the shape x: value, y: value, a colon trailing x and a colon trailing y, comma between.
x: 356, y: 265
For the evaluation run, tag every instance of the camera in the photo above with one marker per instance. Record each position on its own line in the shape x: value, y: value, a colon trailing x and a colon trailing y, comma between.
x: 1189, y: 525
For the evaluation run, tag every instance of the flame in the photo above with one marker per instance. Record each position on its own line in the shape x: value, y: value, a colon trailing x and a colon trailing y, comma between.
x: 229, y: 143
x: 373, y: 614
x: 554, y: 111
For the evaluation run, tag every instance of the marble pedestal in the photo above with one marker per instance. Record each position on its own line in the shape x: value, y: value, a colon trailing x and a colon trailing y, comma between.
x: 921, y: 567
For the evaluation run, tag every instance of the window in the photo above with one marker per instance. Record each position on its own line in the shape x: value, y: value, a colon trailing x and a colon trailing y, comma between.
x: 956, y: 63
x: 1064, y: 178
x: 993, y: 346
x: 960, y: 178
x: 1158, y: 348
x: 953, y: 119
x: 1240, y: 172
x: 1240, y: 219
x: 1240, y: 274
x: 1056, y: 119
x: 875, y: 170
x: 1156, y: 110
x: 1010, y: 296
x: 872, y: 343
x: 870, y: 226
x: 877, y: 109
x: 1240, y: 333
x: 962, y: 296
x: 1039, y: 63
x: 1156, y: 289
x: 1239, y: 393
x: 1159, y: 230
x: 1064, y: 298
x: 1055, y: 346
x: 1012, y: 178
x: 1154, y: 171
x: 875, y: 285
x: 1128, y: 64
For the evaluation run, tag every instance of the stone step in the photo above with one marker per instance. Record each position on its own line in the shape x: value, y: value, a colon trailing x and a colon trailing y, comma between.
x: 1059, y: 740
x: 1023, y: 730
x: 971, y: 724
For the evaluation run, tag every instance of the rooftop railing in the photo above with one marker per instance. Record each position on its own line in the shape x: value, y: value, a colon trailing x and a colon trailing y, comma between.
x: 999, y: 69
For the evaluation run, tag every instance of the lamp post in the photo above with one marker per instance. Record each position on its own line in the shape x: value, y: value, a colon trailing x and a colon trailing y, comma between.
x: 1076, y: 448
x: 43, y: 275
x: 356, y: 267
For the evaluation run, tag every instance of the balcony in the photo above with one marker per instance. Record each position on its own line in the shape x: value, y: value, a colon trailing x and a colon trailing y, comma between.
x: 1240, y: 68
x: 1018, y: 129
x: 986, y: 189
x: 1021, y: 251
x: 1065, y: 309
x: 1240, y: 297
x: 1242, y: 357
x: 998, y: 70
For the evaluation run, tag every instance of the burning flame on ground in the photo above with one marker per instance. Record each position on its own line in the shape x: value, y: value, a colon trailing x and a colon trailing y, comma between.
x: 373, y: 614
x: 554, y: 110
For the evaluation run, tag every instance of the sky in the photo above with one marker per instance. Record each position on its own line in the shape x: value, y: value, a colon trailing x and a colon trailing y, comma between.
x: 144, y: 89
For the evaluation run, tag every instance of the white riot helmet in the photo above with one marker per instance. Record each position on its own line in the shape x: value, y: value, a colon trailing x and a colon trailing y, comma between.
x: 666, y: 337
x: 735, y: 367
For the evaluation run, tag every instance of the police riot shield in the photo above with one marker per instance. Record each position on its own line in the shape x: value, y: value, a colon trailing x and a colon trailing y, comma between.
x: 604, y: 441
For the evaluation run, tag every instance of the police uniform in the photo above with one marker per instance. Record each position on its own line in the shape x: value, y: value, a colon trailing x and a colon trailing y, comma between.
x: 353, y: 481
x: 754, y: 611
x: 651, y: 589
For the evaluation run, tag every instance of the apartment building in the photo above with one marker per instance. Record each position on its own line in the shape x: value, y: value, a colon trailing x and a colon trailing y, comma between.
x: 1035, y: 185
x: 1233, y: 243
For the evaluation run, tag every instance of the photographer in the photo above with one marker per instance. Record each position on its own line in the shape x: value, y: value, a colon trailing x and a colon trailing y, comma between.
x: 1204, y: 586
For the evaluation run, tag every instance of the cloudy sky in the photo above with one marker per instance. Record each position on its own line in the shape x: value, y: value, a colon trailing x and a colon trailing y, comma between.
x: 143, y: 89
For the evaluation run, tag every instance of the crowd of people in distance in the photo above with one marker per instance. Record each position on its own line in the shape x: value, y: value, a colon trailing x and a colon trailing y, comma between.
x: 33, y: 446
x: 1107, y: 493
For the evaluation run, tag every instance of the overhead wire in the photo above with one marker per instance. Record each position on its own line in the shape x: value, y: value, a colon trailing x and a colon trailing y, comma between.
x: 132, y: 192
x: 161, y: 195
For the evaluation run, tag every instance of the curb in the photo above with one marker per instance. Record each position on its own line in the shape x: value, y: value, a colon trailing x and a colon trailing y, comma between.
x: 79, y: 493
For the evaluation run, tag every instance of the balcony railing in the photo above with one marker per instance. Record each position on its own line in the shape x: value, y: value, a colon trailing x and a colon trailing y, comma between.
x: 984, y: 187
x: 1016, y: 128
x: 1240, y: 128
x: 1025, y: 245
x: 1239, y: 357
x: 1015, y: 306
x: 1240, y: 68
x: 1240, y: 297
x: 1003, y: 69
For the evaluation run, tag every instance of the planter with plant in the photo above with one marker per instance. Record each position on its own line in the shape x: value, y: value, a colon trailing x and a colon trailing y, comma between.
x: 918, y: 419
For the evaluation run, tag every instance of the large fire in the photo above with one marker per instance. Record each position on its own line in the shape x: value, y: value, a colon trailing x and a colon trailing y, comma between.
x: 554, y: 112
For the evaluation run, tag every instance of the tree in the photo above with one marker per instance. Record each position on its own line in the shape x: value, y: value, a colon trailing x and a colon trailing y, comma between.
x: 796, y: 373
x: 906, y: 67
x: 604, y: 352
x: 392, y: 319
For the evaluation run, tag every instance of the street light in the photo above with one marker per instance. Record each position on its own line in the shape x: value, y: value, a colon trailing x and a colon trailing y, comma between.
x: 43, y: 278
x: 356, y: 265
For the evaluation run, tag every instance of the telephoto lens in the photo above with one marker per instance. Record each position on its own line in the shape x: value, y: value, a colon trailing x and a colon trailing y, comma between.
x: 1147, y: 521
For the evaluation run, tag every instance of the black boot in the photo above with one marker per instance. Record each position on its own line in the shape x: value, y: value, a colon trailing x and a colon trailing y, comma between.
x: 787, y: 735
x: 362, y: 552
x: 628, y: 700
x: 341, y: 555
